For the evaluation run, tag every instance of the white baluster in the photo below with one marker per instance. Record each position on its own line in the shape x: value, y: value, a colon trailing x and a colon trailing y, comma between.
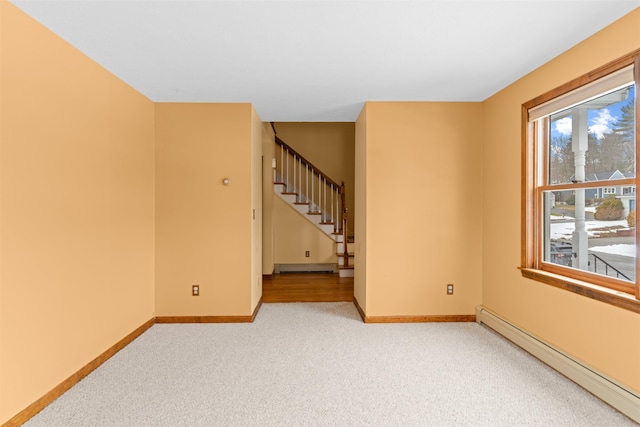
x: 332, y: 204
x: 300, y: 180
x: 341, y: 210
x: 324, y: 199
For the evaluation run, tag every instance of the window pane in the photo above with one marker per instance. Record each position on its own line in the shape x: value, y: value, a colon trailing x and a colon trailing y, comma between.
x: 589, y: 230
x: 595, y: 140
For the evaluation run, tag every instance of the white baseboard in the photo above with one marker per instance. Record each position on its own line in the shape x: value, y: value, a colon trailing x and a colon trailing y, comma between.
x: 615, y: 394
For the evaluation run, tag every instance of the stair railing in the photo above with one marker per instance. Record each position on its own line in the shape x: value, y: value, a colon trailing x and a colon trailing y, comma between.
x: 607, y: 267
x: 311, y: 186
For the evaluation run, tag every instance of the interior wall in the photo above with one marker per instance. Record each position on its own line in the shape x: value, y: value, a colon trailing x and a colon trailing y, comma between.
x: 294, y: 235
x: 360, y: 203
x: 605, y: 337
x: 268, y: 149
x: 256, y: 207
x: 330, y: 147
x: 205, y: 230
x: 76, y: 210
x: 423, y: 200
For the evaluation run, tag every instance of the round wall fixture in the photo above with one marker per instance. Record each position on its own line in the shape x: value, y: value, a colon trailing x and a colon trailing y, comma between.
x: 226, y: 181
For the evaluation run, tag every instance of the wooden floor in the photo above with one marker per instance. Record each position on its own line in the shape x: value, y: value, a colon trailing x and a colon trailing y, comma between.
x: 306, y: 287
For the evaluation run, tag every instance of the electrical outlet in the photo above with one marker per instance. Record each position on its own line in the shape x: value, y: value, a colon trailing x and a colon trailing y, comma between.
x: 306, y: 253
x: 195, y: 290
x: 450, y: 289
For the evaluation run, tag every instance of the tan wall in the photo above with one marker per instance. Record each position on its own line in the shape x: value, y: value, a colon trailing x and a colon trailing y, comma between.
x: 330, y: 147
x: 294, y: 234
x: 601, y: 335
x: 256, y: 205
x: 268, y: 142
x: 76, y: 213
x: 204, y: 228
x: 423, y: 201
x: 360, y: 203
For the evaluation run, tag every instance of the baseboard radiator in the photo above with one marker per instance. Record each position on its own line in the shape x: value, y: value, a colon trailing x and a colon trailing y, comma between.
x: 305, y: 268
x: 607, y: 389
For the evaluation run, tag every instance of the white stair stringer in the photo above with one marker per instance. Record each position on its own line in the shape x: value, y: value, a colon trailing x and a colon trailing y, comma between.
x: 328, y: 229
x: 303, y: 209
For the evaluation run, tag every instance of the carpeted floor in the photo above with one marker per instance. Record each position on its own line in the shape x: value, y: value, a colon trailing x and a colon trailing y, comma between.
x: 308, y: 364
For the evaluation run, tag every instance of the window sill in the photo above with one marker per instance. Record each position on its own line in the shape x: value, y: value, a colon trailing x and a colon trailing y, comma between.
x: 608, y: 296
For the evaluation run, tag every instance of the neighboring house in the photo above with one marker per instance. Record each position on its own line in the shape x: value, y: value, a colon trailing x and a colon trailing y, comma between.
x: 602, y: 192
x: 628, y: 198
x: 627, y: 194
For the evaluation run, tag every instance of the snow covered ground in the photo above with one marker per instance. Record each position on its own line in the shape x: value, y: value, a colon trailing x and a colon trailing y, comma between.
x: 621, y: 249
x: 563, y: 230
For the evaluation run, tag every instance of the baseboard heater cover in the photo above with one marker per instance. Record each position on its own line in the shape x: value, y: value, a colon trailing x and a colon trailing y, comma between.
x: 305, y: 268
x: 609, y: 390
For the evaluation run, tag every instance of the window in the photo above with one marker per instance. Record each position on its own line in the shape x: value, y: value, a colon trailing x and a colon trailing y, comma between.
x: 579, y: 185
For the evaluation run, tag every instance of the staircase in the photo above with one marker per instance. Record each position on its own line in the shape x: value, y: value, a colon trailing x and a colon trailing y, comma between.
x: 316, y: 197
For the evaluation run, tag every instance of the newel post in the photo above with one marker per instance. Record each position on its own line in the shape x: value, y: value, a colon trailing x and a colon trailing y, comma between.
x: 345, y: 254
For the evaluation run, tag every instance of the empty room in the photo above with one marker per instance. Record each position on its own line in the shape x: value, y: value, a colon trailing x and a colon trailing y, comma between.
x: 319, y: 213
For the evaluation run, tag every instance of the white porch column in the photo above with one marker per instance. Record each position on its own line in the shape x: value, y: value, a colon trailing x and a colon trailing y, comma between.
x: 580, y: 145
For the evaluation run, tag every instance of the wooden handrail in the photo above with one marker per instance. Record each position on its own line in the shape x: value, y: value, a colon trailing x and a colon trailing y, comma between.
x: 306, y: 162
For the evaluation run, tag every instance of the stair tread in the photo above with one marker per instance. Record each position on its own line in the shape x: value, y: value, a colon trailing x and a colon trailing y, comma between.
x: 327, y: 223
x: 348, y: 267
x: 314, y: 213
x: 289, y: 193
x: 350, y: 254
x: 301, y: 203
x: 279, y: 183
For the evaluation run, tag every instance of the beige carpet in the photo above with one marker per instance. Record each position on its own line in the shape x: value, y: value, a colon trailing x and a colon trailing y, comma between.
x: 317, y: 364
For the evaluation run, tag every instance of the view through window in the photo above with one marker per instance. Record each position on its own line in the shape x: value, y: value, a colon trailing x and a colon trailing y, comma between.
x: 579, y: 183
x: 592, y: 228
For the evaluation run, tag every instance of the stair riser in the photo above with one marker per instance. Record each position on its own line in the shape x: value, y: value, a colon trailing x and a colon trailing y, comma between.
x: 340, y: 246
x: 351, y: 261
x: 346, y: 273
x: 316, y: 219
x: 303, y: 209
x: 327, y: 228
x: 289, y: 198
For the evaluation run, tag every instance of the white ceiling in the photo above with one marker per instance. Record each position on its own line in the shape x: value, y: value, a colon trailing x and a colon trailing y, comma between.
x: 311, y: 60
